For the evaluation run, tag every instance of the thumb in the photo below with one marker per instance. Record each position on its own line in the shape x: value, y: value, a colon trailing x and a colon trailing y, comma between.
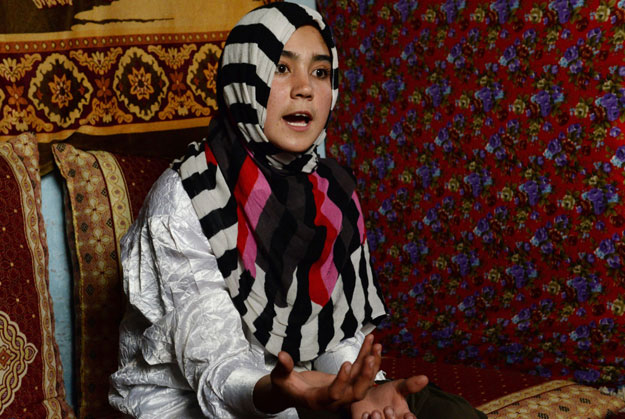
x: 284, y: 366
x: 412, y: 385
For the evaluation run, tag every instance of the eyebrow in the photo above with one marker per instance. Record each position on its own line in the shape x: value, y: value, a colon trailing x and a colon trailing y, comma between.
x: 317, y: 57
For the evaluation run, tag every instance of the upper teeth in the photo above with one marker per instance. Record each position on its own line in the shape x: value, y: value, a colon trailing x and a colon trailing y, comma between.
x: 301, y: 121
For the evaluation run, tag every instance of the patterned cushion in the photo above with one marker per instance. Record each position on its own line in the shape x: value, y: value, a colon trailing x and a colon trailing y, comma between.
x: 555, y: 399
x: 31, y: 383
x: 104, y: 194
x: 488, y: 141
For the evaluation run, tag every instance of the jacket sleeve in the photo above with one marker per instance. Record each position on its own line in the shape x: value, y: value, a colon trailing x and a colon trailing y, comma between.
x: 331, y: 360
x: 182, y: 336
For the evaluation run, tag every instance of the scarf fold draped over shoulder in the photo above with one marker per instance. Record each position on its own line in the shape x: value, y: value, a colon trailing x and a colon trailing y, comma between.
x: 287, y: 229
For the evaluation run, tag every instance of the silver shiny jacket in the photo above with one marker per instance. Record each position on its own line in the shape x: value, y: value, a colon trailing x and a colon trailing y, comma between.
x: 184, y: 352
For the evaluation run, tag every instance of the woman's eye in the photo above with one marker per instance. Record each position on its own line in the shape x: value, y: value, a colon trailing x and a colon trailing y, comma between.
x: 281, y: 68
x: 321, y: 73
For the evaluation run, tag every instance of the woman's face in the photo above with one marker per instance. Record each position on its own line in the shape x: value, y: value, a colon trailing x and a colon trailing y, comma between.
x: 301, y: 92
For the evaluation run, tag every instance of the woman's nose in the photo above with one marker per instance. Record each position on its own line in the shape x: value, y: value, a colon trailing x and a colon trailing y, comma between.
x: 302, y: 86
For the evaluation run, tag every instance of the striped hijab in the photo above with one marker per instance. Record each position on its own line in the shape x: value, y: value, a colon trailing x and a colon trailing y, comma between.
x: 287, y: 229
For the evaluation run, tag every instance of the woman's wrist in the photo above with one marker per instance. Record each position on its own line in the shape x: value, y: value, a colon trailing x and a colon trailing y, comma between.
x: 266, y: 398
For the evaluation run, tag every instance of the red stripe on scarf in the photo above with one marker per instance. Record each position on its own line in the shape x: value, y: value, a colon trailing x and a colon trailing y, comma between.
x: 243, y: 191
x: 323, y: 274
x: 210, y: 158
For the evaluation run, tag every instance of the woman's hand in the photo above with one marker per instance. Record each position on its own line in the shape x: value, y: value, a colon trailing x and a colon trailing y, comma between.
x: 388, y: 400
x: 315, y: 390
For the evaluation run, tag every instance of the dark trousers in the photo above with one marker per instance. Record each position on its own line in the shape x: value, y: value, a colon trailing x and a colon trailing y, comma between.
x: 429, y: 403
x: 432, y: 403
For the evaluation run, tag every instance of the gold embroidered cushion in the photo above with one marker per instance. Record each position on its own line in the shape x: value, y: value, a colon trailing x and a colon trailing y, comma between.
x: 104, y: 192
x: 31, y: 383
x: 554, y: 399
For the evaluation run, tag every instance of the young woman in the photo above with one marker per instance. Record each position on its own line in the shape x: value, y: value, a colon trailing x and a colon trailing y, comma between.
x: 247, y: 272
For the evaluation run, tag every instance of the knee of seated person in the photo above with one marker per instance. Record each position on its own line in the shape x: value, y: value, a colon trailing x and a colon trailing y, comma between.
x: 440, y: 404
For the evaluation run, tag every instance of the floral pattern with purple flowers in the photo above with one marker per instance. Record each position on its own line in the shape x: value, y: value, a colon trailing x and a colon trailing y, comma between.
x: 487, y: 138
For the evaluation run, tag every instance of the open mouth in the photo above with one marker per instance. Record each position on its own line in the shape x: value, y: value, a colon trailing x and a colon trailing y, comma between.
x: 298, y: 119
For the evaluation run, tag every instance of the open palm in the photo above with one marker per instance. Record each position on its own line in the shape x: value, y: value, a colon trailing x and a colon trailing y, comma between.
x: 388, y: 401
x: 315, y: 390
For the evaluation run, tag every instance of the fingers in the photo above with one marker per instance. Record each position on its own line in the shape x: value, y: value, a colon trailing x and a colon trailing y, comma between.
x: 364, y: 380
x: 365, y: 350
x: 366, y: 367
x: 354, y: 380
x: 377, y: 353
x: 373, y: 415
x: 340, y: 383
x: 389, y: 413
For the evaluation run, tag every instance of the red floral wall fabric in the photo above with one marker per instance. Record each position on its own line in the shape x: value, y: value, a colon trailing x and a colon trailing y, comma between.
x: 488, y: 141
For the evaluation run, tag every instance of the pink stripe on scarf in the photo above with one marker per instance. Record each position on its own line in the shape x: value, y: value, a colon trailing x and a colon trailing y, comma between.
x: 256, y: 200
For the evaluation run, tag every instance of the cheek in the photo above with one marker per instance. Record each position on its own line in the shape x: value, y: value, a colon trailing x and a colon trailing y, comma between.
x: 273, y: 106
x: 278, y: 92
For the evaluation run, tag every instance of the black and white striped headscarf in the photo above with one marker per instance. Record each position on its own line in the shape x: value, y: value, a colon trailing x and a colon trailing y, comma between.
x: 286, y: 228
x: 248, y: 65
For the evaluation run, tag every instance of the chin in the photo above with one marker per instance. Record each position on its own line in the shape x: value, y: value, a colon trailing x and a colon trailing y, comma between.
x: 295, y: 146
x: 290, y: 142
x: 295, y: 150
